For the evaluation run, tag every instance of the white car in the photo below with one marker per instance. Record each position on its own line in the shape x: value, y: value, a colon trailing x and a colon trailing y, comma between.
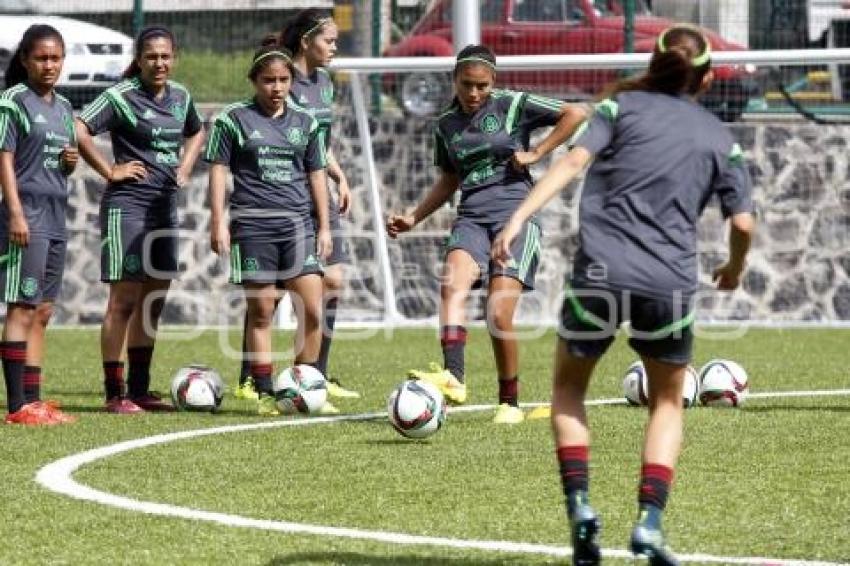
x: 95, y: 56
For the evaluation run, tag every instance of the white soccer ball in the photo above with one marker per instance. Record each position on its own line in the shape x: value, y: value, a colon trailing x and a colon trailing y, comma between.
x: 197, y: 388
x: 416, y: 409
x: 723, y: 383
x: 300, y: 389
x: 636, y: 386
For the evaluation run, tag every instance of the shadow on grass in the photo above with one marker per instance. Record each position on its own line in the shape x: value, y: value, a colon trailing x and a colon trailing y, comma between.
x: 386, y: 559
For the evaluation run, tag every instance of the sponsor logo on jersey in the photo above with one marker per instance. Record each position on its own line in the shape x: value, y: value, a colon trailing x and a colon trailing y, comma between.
x: 456, y: 138
x: 148, y: 114
x: 327, y: 95
x: 490, y: 124
x: 39, y: 119
x: 256, y: 135
x: 303, y: 99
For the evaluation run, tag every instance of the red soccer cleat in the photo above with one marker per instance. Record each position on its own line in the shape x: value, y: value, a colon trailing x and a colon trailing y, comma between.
x: 32, y: 414
x: 153, y: 402
x: 122, y: 406
x: 52, y: 408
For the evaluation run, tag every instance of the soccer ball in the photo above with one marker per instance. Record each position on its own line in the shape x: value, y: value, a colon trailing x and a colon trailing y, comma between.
x: 723, y: 383
x: 197, y: 388
x: 636, y: 386
x: 300, y: 389
x: 416, y: 409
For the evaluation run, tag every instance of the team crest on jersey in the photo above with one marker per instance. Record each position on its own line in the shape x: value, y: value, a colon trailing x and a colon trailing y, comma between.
x: 178, y: 111
x: 132, y: 263
x: 327, y: 95
x: 29, y: 287
x: 295, y: 136
x: 490, y: 124
x: 251, y: 264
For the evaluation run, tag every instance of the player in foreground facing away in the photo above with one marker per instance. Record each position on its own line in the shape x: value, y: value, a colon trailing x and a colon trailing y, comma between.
x: 311, y: 37
x: 149, y: 118
x: 277, y: 159
x: 659, y: 158
x: 37, y: 154
x: 482, y: 147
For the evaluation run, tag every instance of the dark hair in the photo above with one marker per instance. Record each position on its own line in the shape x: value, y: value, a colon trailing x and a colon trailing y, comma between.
x: 270, y: 51
x: 679, y: 62
x: 16, y: 72
x: 307, y: 23
x: 475, y: 55
x: 147, y: 33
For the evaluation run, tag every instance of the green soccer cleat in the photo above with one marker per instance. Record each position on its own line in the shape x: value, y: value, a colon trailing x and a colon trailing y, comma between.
x: 266, y: 406
x: 508, y: 414
x: 335, y: 389
x: 448, y: 384
x: 246, y: 391
x: 328, y: 409
x: 584, y: 530
x: 650, y: 543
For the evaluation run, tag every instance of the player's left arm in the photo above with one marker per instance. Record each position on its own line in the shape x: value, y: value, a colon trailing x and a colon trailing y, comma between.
x: 570, y: 117
x: 319, y: 192
x: 336, y: 173
x: 551, y: 183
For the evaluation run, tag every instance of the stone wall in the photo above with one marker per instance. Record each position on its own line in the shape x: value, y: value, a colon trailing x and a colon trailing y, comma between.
x: 799, y: 268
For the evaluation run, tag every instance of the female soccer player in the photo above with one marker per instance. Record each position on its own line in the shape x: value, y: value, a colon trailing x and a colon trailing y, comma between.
x: 482, y: 147
x: 149, y: 119
x: 37, y: 154
x: 311, y: 37
x: 660, y: 157
x: 277, y: 158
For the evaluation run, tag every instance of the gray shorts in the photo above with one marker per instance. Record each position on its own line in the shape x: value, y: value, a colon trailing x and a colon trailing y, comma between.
x: 273, y: 262
x: 476, y: 238
x: 32, y: 275
x: 137, y: 246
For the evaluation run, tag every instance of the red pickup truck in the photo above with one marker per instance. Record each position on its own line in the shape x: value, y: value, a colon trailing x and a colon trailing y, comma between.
x: 535, y: 27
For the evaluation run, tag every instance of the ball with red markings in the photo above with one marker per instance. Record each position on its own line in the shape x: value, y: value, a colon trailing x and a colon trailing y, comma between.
x: 723, y: 383
x: 416, y: 409
x: 197, y: 388
x: 636, y: 386
x: 300, y: 389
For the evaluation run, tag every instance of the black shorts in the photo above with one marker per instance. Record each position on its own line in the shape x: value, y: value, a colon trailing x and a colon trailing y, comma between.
x: 137, y: 246
x: 661, y: 329
x: 32, y: 275
x: 273, y: 262
x: 476, y: 239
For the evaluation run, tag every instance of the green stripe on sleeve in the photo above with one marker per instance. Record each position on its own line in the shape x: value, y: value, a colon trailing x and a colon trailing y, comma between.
x: 608, y: 108
x: 513, y: 112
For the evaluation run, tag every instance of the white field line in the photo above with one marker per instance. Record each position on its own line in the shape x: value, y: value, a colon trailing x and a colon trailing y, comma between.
x: 58, y: 477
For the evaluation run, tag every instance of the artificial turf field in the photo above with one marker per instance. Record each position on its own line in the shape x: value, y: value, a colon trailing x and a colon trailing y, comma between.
x: 771, y: 479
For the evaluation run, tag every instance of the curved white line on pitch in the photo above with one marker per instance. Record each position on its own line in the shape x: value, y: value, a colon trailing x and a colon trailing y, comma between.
x: 57, y: 477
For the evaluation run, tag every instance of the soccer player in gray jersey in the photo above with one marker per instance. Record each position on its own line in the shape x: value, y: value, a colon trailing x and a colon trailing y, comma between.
x: 482, y: 148
x: 274, y: 151
x: 149, y: 119
x: 659, y: 158
x: 37, y: 154
x: 311, y: 37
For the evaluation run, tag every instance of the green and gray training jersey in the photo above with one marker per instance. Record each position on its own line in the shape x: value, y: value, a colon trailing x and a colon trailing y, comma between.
x: 270, y: 159
x: 659, y: 161
x: 147, y: 129
x: 478, y: 147
x: 36, y: 131
x: 315, y: 94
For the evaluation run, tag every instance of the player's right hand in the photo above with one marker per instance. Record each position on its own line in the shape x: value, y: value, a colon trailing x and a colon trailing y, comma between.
x: 400, y: 223
x: 131, y: 170
x: 500, y: 251
x: 220, y: 240
x: 19, y: 232
x: 727, y: 276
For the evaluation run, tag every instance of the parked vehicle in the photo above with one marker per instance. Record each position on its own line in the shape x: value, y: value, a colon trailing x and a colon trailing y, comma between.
x: 95, y: 56
x: 535, y: 27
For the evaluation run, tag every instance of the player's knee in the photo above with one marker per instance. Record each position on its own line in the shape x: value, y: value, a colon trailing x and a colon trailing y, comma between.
x: 502, y: 321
